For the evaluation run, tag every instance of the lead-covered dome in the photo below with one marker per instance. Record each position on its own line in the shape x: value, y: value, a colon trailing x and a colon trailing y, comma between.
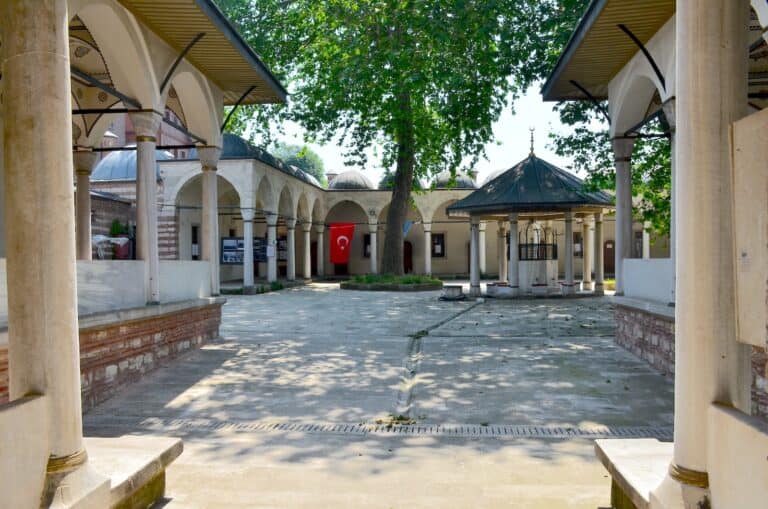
x: 445, y: 180
x: 351, y: 180
x: 121, y: 165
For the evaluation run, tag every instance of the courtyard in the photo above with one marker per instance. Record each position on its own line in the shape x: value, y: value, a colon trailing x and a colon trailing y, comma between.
x: 317, y: 397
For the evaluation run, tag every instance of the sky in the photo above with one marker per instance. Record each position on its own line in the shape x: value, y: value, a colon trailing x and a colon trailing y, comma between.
x: 512, y: 132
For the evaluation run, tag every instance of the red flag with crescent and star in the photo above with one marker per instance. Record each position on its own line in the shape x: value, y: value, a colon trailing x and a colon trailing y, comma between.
x: 341, y: 241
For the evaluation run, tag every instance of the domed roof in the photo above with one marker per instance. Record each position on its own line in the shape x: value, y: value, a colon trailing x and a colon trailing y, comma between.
x: 387, y: 181
x: 351, y: 180
x: 444, y: 180
x: 121, y: 165
x: 493, y: 175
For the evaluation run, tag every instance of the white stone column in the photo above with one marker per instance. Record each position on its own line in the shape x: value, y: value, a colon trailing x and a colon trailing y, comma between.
x: 248, y: 282
x: 567, y: 286
x: 84, y: 162
x: 146, y: 125
x: 307, y: 229
x: 43, y: 344
x: 646, y: 240
x: 513, y: 267
x: 711, y: 60
x: 209, y: 159
x: 622, y: 151
x: 481, y: 248
x: 320, y: 250
x: 474, y: 257
x: 271, y: 247
x: 501, y: 250
x: 373, y: 229
x: 427, y: 248
x: 290, y: 225
x: 599, y: 262
x: 587, y: 245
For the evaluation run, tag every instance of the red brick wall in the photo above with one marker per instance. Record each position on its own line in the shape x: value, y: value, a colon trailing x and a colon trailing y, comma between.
x: 116, y: 355
x: 652, y: 338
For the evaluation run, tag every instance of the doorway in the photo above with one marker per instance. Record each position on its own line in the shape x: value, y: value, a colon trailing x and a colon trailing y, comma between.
x: 609, y: 257
x: 407, y: 257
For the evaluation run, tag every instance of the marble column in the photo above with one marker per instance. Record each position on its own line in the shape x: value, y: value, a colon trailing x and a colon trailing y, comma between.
x: 84, y: 162
x: 710, y: 366
x: 587, y: 245
x: 290, y: 225
x: 271, y: 247
x: 646, y: 240
x: 307, y: 229
x: 622, y: 151
x: 373, y: 229
x: 513, y: 266
x: 599, y: 262
x: 321, y: 250
x: 567, y: 286
x: 481, y: 249
x: 146, y: 125
x: 501, y: 250
x: 209, y: 159
x: 43, y: 341
x: 427, y: 248
x: 248, y: 283
x: 474, y: 257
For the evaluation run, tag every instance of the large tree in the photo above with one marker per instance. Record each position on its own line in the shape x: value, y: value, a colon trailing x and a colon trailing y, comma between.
x: 421, y: 80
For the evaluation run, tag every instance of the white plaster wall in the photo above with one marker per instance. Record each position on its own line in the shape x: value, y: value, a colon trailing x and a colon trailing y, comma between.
x: 652, y: 279
x: 184, y: 280
x: 105, y: 285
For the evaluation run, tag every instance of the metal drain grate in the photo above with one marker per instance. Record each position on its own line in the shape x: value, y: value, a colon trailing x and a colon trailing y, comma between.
x: 462, y: 431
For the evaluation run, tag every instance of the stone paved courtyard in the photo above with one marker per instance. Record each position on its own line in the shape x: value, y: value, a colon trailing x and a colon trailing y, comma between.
x: 294, y: 406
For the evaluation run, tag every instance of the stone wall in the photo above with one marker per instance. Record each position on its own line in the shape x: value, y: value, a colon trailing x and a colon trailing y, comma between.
x: 651, y: 337
x: 116, y: 354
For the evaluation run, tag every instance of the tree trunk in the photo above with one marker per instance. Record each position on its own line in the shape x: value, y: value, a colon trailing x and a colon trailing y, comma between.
x: 392, y: 260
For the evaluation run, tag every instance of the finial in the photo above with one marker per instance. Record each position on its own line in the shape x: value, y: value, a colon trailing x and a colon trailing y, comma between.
x: 532, y: 129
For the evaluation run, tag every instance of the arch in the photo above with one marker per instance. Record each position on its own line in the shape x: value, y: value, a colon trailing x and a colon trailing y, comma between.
x: 350, y: 211
x: 265, y: 195
x: 630, y: 105
x: 184, y: 181
x: 286, y: 206
x: 303, y: 211
x: 318, y: 212
x: 196, y: 98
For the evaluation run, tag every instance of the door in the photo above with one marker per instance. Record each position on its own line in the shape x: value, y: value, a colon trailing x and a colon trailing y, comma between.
x: 609, y: 257
x: 313, y: 258
x: 407, y: 257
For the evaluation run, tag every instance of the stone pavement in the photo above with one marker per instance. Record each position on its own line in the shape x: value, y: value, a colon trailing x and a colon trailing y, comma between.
x: 297, y: 405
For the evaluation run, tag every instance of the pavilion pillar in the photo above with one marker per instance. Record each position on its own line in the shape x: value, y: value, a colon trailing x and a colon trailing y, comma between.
x: 501, y: 250
x: 427, y: 248
x: 587, y: 245
x: 567, y: 286
x: 646, y: 240
x: 710, y: 366
x: 320, y: 250
x: 209, y: 159
x: 481, y: 248
x: 271, y: 247
x: 84, y: 162
x: 474, y: 257
x: 513, y: 267
x: 248, y: 282
x: 599, y: 262
x: 622, y: 151
x: 146, y: 125
x: 373, y: 229
x: 290, y: 225
x: 307, y: 267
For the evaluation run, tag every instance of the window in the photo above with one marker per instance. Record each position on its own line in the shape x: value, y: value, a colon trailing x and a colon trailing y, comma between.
x: 195, y: 242
x: 367, y: 245
x: 578, y: 245
x: 438, y: 245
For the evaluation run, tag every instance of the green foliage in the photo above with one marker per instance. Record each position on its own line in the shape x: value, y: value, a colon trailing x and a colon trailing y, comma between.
x: 117, y: 228
x: 303, y: 158
x: 276, y: 286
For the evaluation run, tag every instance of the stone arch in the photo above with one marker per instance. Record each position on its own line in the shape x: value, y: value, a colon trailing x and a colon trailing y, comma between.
x: 286, y: 205
x: 199, y: 106
x: 350, y: 211
x: 172, y: 196
x: 265, y: 195
x: 318, y: 211
x: 630, y: 105
x: 303, y: 212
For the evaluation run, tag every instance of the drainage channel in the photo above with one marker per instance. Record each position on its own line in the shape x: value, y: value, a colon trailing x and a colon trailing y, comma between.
x: 453, y: 430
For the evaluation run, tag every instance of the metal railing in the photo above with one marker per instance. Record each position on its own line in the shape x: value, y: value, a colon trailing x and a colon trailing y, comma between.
x: 528, y: 252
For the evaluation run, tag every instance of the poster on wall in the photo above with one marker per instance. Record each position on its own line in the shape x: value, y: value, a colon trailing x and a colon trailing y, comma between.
x: 233, y: 250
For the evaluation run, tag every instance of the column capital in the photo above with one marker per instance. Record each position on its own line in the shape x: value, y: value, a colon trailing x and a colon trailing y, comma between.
x: 568, y: 216
x: 271, y: 219
x: 290, y: 224
x: 598, y: 217
x: 320, y: 228
x: 427, y: 227
x: 247, y: 214
x: 84, y: 161
x: 622, y: 149
x: 483, y: 226
x: 373, y: 227
x: 145, y: 124
x: 474, y: 221
x: 306, y: 226
x: 513, y: 217
x: 209, y: 157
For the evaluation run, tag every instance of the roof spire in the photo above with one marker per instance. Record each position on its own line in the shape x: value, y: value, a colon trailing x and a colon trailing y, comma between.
x: 532, y: 129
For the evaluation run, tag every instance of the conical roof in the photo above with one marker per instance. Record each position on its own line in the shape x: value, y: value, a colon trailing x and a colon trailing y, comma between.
x: 532, y: 185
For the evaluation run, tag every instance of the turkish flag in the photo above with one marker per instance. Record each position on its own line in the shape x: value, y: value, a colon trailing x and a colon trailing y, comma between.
x: 341, y: 241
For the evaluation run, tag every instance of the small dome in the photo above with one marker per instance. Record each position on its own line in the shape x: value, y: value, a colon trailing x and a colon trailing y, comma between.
x: 493, y: 175
x: 386, y: 182
x: 121, y: 165
x: 461, y: 181
x: 351, y: 180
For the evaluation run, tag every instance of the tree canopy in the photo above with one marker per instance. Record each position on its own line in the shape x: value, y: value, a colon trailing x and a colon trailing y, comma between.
x: 303, y: 158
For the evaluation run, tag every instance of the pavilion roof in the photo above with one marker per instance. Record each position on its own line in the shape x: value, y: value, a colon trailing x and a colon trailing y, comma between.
x: 532, y: 185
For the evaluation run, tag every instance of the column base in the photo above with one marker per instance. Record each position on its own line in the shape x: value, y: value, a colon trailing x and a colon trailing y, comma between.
x: 474, y: 291
x: 567, y: 289
x: 587, y: 286
x: 81, y: 488
x: 674, y: 494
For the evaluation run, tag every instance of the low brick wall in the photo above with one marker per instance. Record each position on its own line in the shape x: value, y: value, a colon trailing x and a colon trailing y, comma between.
x: 651, y: 337
x: 114, y: 354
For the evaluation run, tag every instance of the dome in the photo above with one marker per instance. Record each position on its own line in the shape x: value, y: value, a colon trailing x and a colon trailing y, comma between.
x: 351, y: 180
x: 386, y: 182
x: 493, y: 175
x: 121, y: 165
x: 461, y: 181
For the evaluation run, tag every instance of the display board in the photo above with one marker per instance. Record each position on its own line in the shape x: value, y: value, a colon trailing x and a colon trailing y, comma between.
x: 232, y: 250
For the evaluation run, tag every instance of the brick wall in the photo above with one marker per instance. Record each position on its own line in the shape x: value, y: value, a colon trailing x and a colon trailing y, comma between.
x: 652, y: 338
x: 113, y: 356
x: 105, y: 211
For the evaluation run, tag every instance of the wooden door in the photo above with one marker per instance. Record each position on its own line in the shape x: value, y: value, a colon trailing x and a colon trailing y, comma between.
x: 609, y: 257
x: 407, y: 257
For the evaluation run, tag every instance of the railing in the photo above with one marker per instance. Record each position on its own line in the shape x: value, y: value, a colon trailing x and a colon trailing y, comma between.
x: 529, y: 252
